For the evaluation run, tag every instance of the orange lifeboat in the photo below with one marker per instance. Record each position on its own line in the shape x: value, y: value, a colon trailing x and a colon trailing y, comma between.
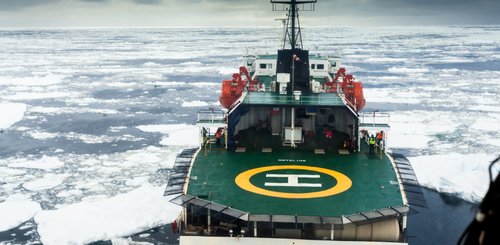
x: 231, y: 90
x: 353, y: 90
x: 358, y: 95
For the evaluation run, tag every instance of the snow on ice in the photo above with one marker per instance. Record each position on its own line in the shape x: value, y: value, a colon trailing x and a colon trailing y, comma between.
x: 196, y: 103
x: 14, y: 213
x: 465, y: 175
x: 48, y: 181
x: 45, y: 162
x: 119, y: 216
x: 177, y: 134
x: 11, y: 113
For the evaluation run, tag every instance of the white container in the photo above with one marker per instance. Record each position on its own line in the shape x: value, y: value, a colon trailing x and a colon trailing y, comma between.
x: 297, y: 94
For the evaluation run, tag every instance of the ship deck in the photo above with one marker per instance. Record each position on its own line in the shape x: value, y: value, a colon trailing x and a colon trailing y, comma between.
x: 374, y: 181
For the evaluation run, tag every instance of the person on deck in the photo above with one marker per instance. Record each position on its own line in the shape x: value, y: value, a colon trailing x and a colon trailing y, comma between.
x: 364, y: 134
x: 328, y: 136
x: 218, y: 136
x: 174, y: 227
x: 380, y: 136
x: 372, y: 144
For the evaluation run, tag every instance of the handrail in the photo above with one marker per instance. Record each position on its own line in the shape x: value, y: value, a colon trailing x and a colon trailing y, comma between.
x: 211, y: 116
x: 375, y: 118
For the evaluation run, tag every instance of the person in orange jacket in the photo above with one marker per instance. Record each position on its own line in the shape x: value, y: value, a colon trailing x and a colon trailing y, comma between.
x: 380, y: 136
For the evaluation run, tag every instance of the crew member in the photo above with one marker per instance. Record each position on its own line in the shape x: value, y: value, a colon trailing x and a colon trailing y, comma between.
x: 380, y: 136
x: 364, y: 133
x: 218, y: 136
x: 372, y: 144
x: 328, y: 136
x: 174, y: 226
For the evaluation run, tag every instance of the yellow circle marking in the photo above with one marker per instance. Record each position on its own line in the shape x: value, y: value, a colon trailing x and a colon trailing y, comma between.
x: 343, y: 182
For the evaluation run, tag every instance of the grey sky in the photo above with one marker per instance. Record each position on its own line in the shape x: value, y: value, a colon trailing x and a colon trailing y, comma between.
x: 250, y: 13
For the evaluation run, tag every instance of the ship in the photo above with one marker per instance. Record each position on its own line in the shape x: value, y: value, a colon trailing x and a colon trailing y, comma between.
x: 287, y: 159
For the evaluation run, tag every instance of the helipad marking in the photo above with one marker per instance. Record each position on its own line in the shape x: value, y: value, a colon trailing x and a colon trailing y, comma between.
x: 343, y: 182
x: 293, y: 180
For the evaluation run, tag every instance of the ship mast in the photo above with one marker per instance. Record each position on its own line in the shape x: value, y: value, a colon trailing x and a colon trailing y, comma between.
x: 293, y: 33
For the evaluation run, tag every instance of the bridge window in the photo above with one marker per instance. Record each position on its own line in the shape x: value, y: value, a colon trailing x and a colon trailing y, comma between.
x: 263, y: 66
x: 321, y: 66
x: 313, y: 66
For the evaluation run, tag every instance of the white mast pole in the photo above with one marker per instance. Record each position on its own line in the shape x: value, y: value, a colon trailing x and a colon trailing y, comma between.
x: 293, y: 108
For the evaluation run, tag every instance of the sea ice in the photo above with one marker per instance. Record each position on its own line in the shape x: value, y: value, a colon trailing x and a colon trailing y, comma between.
x: 465, y: 175
x: 32, y: 81
x: 178, y: 134
x: 48, y: 181
x: 196, y: 103
x: 407, y: 141
x: 45, y: 163
x: 15, y: 212
x: 11, y: 113
x: 37, y: 96
x: 119, y: 216
x: 8, y: 172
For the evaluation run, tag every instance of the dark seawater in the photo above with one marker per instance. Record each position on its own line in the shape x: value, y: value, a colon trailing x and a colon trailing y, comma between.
x: 442, y: 222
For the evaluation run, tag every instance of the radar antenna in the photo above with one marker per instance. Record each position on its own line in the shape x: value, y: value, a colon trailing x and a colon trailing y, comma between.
x: 293, y: 33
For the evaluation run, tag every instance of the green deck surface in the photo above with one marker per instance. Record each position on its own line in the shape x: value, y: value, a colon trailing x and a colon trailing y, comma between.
x: 374, y: 183
x: 266, y: 98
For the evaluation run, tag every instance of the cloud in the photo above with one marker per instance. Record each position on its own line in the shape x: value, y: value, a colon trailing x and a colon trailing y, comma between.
x: 95, y: 1
x: 159, y: 13
x: 8, y: 5
x: 148, y: 2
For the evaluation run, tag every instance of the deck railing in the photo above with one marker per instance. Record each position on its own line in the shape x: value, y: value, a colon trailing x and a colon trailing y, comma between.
x: 211, y: 116
x: 374, y: 118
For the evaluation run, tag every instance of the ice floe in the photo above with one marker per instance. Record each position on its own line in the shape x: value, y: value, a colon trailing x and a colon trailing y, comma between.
x: 48, y: 181
x: 32, y: 81
x: 14, y: 213
x: 8, y: 172
x: 11, y: 113
x: 196, y: 103
x: 118, y: 216
x: 177, y: 134
x: 463, y: 175
x: 37, y: 95
x: 46, y: 162
x: 407, y: 70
